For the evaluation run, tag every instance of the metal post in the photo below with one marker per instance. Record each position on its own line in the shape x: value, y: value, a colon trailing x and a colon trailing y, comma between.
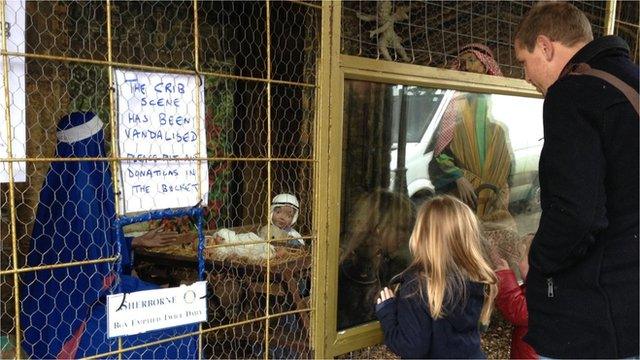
x: 610, y: 17
x: 400, y: 183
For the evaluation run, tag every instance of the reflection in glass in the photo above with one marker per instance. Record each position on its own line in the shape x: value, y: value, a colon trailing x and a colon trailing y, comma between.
x: 376, y: 248
x: 483, y: 148
x: 472, y: 160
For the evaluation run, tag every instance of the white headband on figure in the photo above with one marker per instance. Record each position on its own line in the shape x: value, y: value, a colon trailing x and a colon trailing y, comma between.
x: 80, y: 132
x: 285, y: 200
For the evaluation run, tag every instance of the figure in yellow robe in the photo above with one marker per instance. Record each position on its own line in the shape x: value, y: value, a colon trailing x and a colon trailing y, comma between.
x: 475, y: 165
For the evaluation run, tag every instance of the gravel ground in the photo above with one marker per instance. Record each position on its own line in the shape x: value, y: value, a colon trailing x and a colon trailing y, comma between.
x: 497, y: 340
x: 495, y: 343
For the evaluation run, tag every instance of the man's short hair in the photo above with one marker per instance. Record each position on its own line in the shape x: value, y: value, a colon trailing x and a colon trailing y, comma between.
x: 559, y: 21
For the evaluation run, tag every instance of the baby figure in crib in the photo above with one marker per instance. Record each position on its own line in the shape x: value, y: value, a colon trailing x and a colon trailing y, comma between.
x: 283, y: 214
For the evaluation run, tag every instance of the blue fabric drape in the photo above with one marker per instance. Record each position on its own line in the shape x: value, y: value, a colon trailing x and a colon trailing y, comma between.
x: 74, y: 222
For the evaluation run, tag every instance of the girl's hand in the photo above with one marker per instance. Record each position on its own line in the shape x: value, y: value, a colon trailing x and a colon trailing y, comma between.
x: 385, y: 294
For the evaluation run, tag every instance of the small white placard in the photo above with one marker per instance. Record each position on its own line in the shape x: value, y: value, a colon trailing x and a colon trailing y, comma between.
x: 13, y: 27
x: 142, y: 311
x: 157, y: 119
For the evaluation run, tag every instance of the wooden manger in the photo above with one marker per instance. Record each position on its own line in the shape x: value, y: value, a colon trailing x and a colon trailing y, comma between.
x: 238, y: 287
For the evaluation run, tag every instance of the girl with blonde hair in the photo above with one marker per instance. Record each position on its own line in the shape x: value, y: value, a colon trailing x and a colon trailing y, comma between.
x: 446, y: 294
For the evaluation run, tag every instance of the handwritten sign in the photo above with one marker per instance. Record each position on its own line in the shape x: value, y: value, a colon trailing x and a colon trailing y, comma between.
x: 13, y: 29
x: 142, y: 311
x: 157, y: 119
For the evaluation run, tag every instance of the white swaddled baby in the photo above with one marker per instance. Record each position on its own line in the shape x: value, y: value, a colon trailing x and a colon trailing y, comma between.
x: 255, y: 251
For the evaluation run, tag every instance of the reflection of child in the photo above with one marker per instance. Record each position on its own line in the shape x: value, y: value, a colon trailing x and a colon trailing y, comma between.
x: 284, y: 213
x: 376, y: 248
x: 512, y: 303
x: 441, y: 320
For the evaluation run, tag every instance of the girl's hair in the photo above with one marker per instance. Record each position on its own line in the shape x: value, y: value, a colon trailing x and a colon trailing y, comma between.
x: 447, y: 243
x: 380, y: 222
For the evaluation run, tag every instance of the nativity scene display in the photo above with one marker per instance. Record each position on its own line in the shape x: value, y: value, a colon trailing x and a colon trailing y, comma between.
x: 144, y: 140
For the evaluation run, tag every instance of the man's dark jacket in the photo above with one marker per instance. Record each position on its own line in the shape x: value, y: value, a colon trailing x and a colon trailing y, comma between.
x: 582, y: 289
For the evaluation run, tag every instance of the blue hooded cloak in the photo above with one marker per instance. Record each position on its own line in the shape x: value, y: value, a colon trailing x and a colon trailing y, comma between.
x: 63, y: 310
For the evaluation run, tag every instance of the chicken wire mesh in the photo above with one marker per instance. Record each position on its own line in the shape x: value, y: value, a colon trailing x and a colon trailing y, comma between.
x: 432, y: 32
x: 258, y: 63
x: 256, y: 88
x: 627, y: 26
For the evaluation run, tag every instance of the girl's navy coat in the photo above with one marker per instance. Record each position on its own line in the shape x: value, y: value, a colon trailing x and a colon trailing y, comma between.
x: 411, y: 332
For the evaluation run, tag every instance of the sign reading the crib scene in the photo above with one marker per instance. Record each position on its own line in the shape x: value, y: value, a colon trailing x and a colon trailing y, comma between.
x: 13, y: 29
x: 142, y: 311
x: 157, y: 119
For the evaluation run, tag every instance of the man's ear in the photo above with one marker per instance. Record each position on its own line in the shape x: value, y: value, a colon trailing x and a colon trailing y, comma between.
x: 546, y: 46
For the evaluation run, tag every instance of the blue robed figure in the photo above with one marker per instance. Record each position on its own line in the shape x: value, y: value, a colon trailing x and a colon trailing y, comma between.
x: 63, y: 310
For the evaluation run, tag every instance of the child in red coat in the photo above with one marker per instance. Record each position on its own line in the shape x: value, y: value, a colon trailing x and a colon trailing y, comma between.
x: 512, y: 304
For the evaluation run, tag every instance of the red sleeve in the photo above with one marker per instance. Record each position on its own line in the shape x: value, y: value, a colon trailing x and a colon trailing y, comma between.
x: 511, y: 300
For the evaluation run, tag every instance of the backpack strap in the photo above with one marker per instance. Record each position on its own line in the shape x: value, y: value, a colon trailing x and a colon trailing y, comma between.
x: 584, y: 69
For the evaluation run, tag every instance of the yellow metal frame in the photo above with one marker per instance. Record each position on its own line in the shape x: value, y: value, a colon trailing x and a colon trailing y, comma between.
x: 354, y: 68
x: 330, y: 145
x: 610, y: 17
x: 12, y: 196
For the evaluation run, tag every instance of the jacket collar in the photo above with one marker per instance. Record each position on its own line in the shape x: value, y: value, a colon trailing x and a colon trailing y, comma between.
x: 595, y: 48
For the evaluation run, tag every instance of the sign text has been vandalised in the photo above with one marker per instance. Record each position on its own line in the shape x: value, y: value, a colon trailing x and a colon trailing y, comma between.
x: 160, y: 116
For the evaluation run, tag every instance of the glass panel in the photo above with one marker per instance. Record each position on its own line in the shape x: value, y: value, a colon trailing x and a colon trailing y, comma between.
x: 408, y: 143
x: 421, y: 104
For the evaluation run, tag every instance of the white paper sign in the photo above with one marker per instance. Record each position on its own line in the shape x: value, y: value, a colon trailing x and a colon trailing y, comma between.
x: 157, y: 118
x: 14, y: 30
x: 142, y: 311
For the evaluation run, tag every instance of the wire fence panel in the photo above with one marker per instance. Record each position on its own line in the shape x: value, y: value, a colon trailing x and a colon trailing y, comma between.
x: 245, y: 73
x: 627, y: 26
x: 431, y: 33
